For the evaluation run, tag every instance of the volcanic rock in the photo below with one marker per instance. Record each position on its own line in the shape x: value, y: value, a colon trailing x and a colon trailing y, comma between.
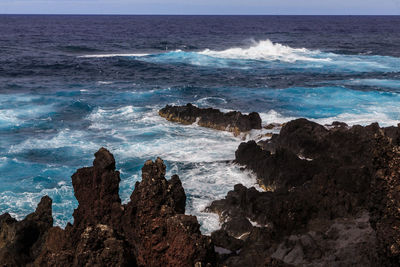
x: 331, y: 197
x: 233, y: 121
x: 21, y: 241
x: 150, y: 230
x: 155, y: 223
x: 96, y: 189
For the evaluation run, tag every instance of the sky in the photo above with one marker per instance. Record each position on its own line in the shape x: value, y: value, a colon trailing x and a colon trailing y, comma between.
x: 212, y: 7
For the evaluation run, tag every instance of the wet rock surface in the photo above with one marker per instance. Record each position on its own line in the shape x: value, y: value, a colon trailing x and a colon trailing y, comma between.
x: 233, y: 121
x: 150, y: 230
x: 331, y: 197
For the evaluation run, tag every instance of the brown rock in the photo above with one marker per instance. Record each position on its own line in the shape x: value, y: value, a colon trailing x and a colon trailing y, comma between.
x: 96, y: 189
x: 20, y: 242
x: 155, y: 223
x: 233, y: 121
x: 151, y: 230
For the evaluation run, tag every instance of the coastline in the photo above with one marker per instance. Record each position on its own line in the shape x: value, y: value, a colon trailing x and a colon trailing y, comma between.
x: 327, y: 190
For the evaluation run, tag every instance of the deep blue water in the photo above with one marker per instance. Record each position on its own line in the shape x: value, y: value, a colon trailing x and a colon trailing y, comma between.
x: 71, y: 84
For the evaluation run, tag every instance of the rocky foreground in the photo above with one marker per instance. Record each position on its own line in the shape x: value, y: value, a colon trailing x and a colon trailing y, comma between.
x: 233, y: 121
x: 331, y: 198
x: 150, y: 230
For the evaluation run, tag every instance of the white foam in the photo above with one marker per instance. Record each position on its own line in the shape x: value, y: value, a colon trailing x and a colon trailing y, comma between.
x: 104, y: 82
x: 17, y: 98
x: 383, y: 83
x: 106, y: 118
x: 8, y: 117
x: 190, y: 144
x: 16, y: 109
x: 360, y: 119
x: 274, y: 117
x: 174, y: 142
x: 206, y: 182
x: 127, y: 185
x: 2, y: 160
x: 65, y: 138
x: 267, y: 50
x: 210, y: 101
x: 374, y: 114
x: 18, y: 205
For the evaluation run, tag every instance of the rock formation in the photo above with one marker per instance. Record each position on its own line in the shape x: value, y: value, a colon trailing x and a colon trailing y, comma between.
x: 150, y: 230
x: 20, y: 242
x: 331, y: 198
x: 233, y: 121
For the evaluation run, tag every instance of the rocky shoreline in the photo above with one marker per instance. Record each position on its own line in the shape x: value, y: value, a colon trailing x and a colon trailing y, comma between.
x: 331, y: 198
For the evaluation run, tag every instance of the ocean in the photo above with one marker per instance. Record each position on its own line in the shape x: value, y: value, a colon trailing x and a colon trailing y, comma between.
x: 72, y: 84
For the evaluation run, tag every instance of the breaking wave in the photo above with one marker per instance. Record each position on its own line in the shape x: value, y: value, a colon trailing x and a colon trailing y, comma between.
x: 267, y: 50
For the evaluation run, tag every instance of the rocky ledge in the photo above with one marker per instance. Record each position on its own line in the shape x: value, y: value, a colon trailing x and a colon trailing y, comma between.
x: 233, y: 121
x: 331, y: 198
x: 150, y: 230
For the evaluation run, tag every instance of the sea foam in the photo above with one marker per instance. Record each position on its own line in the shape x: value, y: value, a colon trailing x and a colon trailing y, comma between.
x: 267, y: 50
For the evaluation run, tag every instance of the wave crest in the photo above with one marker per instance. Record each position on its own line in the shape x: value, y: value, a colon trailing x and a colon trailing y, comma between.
x: 261, y: 50
x: 267, y: 50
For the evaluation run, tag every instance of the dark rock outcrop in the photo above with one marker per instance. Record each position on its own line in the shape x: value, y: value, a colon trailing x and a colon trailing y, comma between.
x: 95, y: 237
x: 21, y: 241
x: 96, y: 189
x: 333, y: 197
x: 385, y: 202
x: 155, y: 222
x: 150, y: 230
x: 233, y: 121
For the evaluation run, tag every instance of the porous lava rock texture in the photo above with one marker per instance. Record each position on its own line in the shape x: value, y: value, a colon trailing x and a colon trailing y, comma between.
x: 233, y: 121
x: 331, y: 197
x: 21, y: 241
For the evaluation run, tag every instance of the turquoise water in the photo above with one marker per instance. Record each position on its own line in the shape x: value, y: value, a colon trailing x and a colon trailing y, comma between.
x: 70, y: 89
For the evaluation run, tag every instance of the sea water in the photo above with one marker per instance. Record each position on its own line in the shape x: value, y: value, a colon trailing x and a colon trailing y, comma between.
x: 72, y: 84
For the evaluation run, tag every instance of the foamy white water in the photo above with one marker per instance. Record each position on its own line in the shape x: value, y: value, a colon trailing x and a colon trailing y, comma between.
x: 267, y: 50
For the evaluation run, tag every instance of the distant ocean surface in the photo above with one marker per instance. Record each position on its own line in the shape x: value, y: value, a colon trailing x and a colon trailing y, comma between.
x: 71, y: 84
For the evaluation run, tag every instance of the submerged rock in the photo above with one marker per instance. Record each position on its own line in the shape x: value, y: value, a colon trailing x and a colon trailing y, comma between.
x: 150, y: 230
x: 233, y: 121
